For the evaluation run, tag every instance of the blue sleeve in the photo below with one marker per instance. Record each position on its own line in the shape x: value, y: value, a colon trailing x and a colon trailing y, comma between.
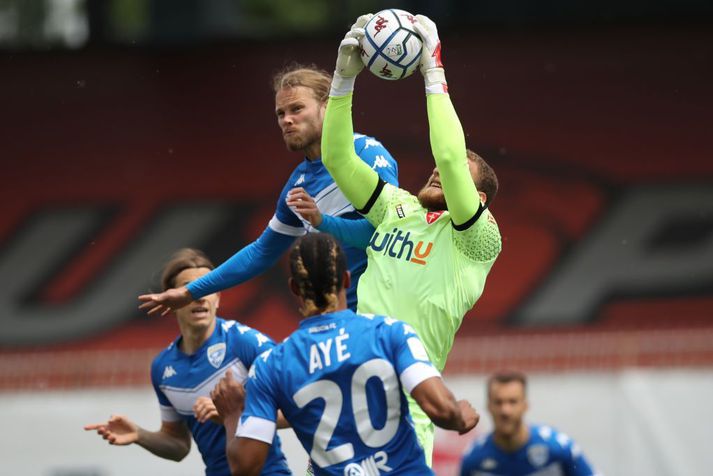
x: 465, y: 466
x: 356, y: 232
x: 155, y: 380
x: 375, y: 154
x: 471, y: 459
x: 576, y: 463
x: 408, y: 349
x: 249, y: 343
x: 247, y: 263
x: 260, y: 398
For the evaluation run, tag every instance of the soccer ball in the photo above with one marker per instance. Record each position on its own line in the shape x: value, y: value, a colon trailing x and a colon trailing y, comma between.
x: 391, y: 48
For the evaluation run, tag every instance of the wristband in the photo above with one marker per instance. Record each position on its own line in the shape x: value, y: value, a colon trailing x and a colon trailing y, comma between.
x: 435, y: 79
x: 341, y: 86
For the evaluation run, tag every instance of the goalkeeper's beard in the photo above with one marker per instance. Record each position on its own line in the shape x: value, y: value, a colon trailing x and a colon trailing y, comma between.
x: 432, y: 200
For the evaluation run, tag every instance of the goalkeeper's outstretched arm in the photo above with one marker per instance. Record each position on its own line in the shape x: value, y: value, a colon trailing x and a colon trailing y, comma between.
x: 446, y: 133
x: 353, y: 177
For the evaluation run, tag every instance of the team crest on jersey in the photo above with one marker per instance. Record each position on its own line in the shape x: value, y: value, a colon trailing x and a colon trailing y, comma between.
x: 433, y: 216
x: 216, y: 354
x: 538, y: 455
x: 488, y: 464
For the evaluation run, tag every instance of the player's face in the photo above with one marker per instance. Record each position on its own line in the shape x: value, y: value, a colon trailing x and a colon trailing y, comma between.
x: 300, y: 115
x: 431, y: 195
x: 507, y: 405
x: 200, y: 314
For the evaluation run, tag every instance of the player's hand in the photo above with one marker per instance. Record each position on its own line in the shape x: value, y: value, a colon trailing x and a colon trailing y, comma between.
x: 470, y: 416
x: 431, y: 53
x: 162, y: 303
x: 204, y: 410
x: 302, y: 203
x: 349, y: 62
x: 119, y: 430
x: 228, y: 396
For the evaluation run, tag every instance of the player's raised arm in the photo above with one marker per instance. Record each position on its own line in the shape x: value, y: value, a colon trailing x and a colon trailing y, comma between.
x: 446, y: 133
x: 354, y: 177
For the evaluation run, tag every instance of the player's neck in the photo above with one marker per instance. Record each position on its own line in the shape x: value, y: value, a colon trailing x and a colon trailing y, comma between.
x: 313, y: 151
x: 194, y: 338
x: 512, y: 443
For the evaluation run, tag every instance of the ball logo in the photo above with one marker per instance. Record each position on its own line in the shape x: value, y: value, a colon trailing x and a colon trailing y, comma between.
x: 394, y: 50
x: 386, y: 72
x: 380, y: 25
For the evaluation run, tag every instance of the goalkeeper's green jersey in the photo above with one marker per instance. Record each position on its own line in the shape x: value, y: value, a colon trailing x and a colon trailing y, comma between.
x: 425, y: 268
x: 422, y: 270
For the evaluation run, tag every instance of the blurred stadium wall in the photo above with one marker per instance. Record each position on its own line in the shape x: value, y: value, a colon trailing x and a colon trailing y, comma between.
x: 129, y: 130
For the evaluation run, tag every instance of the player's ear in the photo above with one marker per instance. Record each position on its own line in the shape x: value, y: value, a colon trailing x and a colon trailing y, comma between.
x: 217, y: 300
x: 483, y: 197
x: 347, y: 280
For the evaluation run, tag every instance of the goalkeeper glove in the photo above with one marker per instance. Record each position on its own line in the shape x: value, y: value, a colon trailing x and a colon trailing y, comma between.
x: 431, y: 65
x: 349, y: 62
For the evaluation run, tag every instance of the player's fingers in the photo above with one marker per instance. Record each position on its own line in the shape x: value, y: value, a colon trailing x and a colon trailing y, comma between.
x: 147, y: 305
x: 356, y: 33
x: 348, y: 44
x: 155, y: 310
x: 94, y: 426
x: 165, y: 311
x: 211, y: 415
x: 362, y: 20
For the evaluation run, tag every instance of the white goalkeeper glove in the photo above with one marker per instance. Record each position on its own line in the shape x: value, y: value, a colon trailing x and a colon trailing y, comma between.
x: 349, y: 62
x: 430, y: 65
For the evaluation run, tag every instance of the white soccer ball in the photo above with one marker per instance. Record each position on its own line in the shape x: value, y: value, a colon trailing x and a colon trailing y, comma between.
x: 391, y: 48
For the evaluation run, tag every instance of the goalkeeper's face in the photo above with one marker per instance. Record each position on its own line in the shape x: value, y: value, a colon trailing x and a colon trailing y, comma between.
x: 300, y: 115
x: 431, y: 195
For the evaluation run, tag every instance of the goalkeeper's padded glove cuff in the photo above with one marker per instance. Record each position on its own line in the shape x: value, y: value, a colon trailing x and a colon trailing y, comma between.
x: 435, y: 79
x: 341, y: 86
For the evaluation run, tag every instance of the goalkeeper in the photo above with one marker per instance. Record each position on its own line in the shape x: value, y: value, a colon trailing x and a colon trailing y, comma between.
x: 429, y: 255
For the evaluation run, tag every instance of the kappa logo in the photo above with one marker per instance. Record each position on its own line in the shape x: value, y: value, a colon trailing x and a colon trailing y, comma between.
x: 168, y: 371
x: 300, y: 180
x: 371, y: 142
x: 216, y: 354
x: 380, y: 162
x: 380, y: 24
